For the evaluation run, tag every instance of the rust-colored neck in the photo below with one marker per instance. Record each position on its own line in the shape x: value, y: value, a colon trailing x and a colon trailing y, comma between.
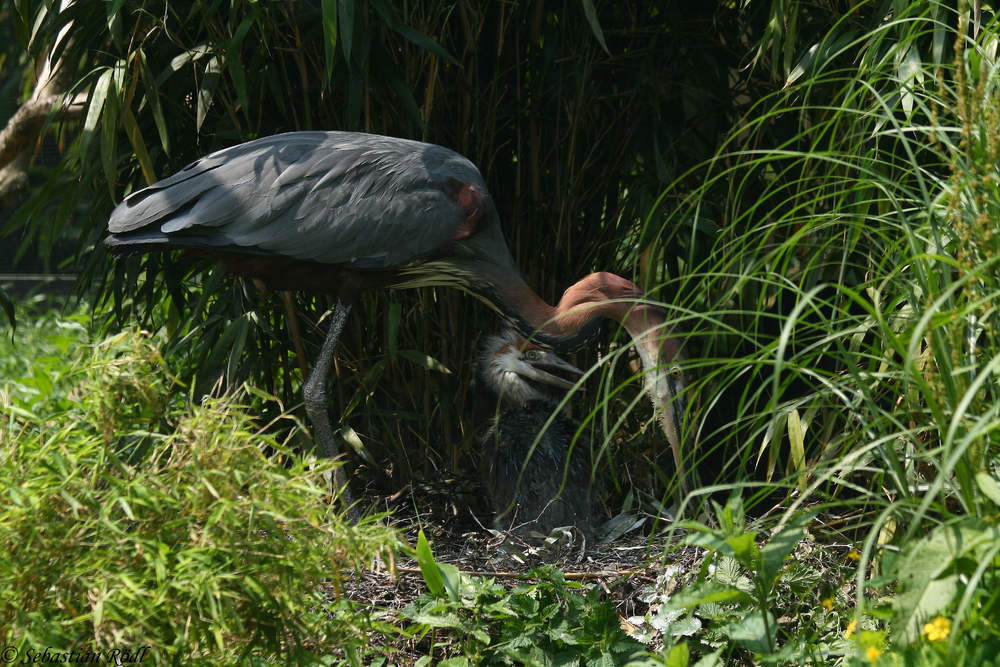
x: 575, y: 319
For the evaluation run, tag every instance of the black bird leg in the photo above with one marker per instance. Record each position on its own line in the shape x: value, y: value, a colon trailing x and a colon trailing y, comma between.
x: 314, y: 395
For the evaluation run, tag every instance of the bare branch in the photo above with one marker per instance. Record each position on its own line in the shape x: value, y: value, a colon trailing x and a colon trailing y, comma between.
x: 19, y: 138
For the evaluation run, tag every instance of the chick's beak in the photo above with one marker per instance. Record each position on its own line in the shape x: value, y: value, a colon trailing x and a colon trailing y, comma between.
x: 545, y: 367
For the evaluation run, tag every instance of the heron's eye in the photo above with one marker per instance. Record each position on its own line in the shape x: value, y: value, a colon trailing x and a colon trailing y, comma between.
x: 676, y: 373
x: 531, y: 355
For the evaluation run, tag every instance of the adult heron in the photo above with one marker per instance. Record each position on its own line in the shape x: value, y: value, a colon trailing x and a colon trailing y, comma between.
x: 343, y: 212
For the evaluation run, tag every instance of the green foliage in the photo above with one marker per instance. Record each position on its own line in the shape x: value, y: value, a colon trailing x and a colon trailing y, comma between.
x: 204, y: 538
x: 844, y: 283
x: 474, y: 621
x: 833, y: 266
x: 748, y: 600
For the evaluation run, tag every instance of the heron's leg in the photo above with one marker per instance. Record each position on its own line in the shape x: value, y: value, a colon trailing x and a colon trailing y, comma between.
x: 314, y: 395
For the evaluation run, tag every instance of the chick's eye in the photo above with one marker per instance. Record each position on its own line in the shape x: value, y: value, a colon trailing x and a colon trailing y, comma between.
x: 531, y: 355
x: 676, y: 373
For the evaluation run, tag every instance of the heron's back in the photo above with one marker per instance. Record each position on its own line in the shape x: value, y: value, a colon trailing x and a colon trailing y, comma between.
x: 346, y: 198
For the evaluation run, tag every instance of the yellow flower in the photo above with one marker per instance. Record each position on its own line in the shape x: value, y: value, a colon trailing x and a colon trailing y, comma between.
x: 873, y: 653
x: 850, y: 629
x: 938, y: 629
x: 828, y: 603
x: 854, y: 555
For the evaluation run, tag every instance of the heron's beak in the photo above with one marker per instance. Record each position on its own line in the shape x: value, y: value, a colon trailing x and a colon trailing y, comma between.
x: 671, y: 408
x: 544, y: 369
x: 664, y: 378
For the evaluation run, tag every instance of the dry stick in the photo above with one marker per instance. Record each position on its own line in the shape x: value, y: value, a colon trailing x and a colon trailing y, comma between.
x: 296, y: 333
x: 582, y: 576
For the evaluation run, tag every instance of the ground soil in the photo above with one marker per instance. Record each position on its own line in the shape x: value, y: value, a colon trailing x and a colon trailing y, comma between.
x: 456, y: 524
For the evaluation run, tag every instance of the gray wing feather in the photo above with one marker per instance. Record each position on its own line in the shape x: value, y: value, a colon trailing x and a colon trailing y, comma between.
x: 335, y: 197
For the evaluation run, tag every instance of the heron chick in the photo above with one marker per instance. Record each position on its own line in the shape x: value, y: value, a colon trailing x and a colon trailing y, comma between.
x: 535, y: 467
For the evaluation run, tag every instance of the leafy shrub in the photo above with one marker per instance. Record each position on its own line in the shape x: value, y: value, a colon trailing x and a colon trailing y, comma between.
x: 218, y: 540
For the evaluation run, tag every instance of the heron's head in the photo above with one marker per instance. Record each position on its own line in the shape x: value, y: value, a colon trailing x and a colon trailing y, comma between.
x: 519, y: 371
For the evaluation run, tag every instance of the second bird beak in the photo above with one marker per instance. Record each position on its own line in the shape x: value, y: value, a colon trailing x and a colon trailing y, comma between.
x: 544, y: 368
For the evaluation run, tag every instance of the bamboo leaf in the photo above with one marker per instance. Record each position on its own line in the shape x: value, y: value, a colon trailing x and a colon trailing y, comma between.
x: 234, y: 63
x: 153, y: 97
x: 329, y: 36
x: 23, y: 10
x: 193, y: 54
x: 206, y: 93
x: 94, y: 109
x: 424, y: 361
x: 109, y: 134
x: 595, y: 26
x: 351, y: 437
x: 139, y: 146
x: 346, y: 25
x: 388, y: 14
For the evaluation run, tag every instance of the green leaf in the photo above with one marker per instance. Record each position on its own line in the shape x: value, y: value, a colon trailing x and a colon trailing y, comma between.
x: 239, y: 343
x: 424, y: 361
x: 351, y: 437
x: 436, y: 619
x: 711, y: 660
x: 591, y: 13
x: 987, y: 484
x: 679, y: 656
x: 743, y: 548
x: 773, y: 554
x: 8, y: 307
x: 428, y: 566
x: 388, y: 14
x: 452, y: 579
x: 23, y: 11
x: 153, y: 97
x: 392, y: 328
x: 206, y: 93
x: 109, y: 132
x: 138, y: 145
x: 346, y: 25
x: 910, y: 72
x: 234, y: 65
x: 931, y: 569
x: 329, y: 36
x: 796, y: 445
x: 751, y: 633
x: 804, y: 64
x: 706, y: 592
x: 97, y: 99
x: 193, y: 54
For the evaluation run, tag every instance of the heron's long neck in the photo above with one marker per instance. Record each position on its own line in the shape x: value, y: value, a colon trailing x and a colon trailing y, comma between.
x: 567, y: 325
